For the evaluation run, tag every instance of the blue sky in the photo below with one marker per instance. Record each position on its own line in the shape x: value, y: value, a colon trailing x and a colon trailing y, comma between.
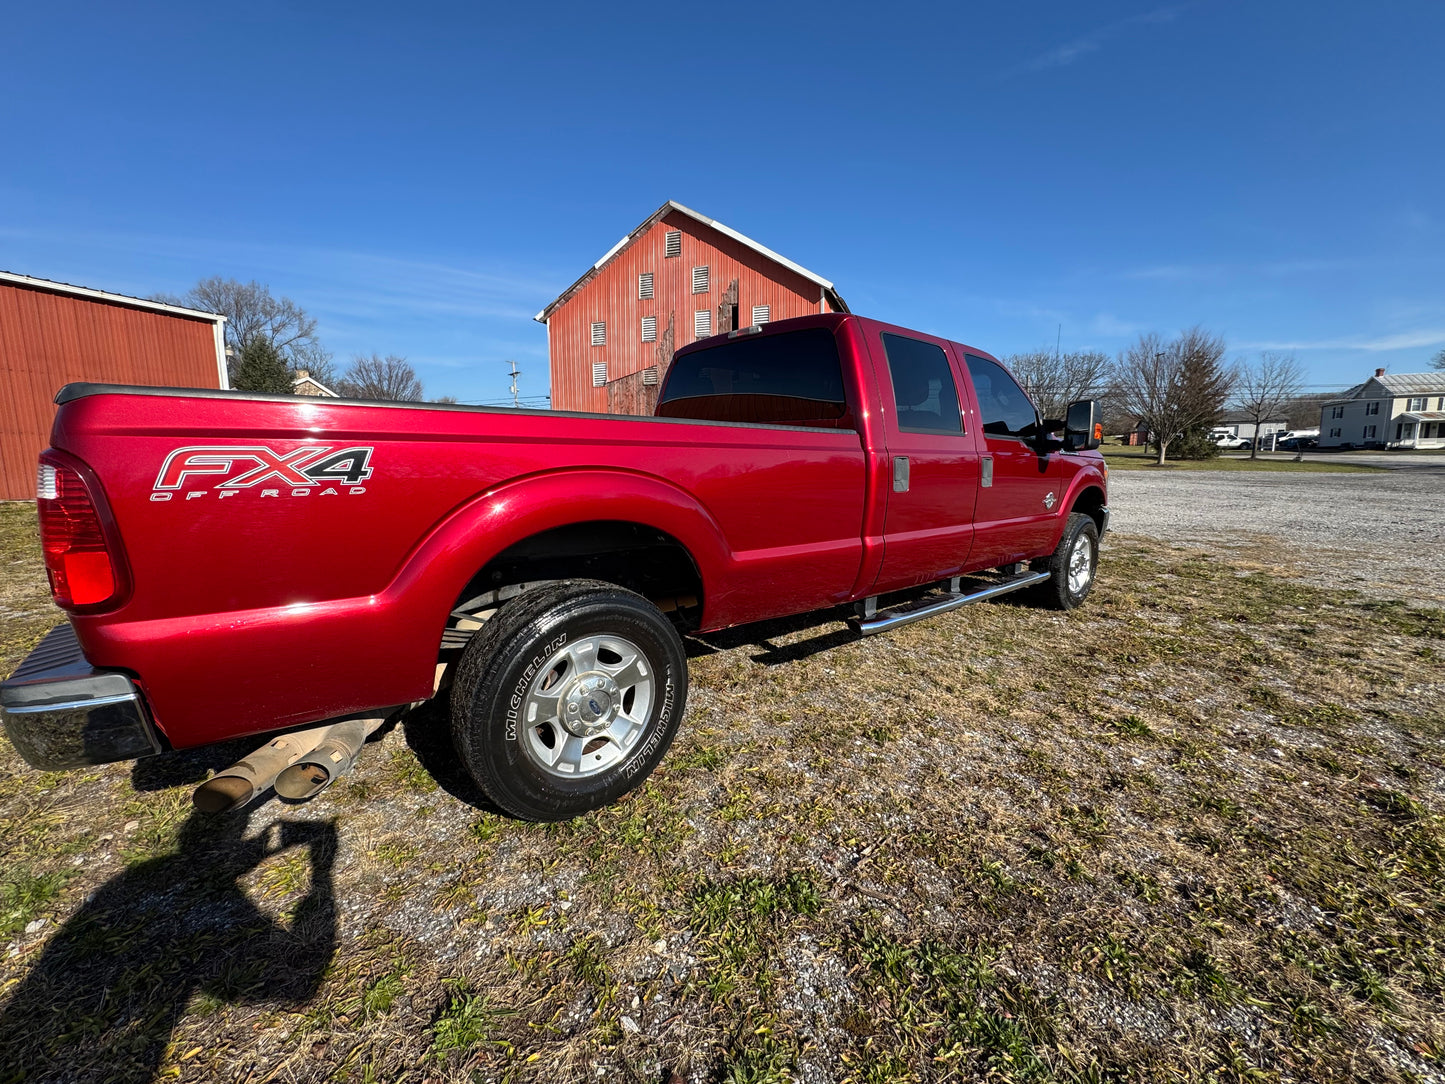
x: 424, y: 178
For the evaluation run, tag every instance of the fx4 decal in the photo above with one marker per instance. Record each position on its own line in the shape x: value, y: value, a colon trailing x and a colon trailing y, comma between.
x: 227, y: 471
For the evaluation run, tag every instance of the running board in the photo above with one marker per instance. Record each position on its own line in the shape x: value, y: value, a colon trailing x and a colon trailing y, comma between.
x: 868, y: 623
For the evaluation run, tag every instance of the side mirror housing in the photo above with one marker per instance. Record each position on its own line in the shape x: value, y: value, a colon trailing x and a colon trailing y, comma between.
x: 1083, y: 428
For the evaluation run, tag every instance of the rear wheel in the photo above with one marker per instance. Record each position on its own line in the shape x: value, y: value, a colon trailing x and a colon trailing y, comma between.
x: 1072, y: 565
x: 568, y: 698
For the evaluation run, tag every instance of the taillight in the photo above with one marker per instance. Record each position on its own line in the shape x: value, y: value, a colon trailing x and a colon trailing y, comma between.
x: 77, y: 560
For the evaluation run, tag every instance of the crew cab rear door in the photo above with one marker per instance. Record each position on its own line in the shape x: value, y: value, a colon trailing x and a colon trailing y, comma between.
x: 928, y: 525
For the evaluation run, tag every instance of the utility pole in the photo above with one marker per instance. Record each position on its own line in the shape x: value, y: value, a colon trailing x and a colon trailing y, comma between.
x: 515, y: 373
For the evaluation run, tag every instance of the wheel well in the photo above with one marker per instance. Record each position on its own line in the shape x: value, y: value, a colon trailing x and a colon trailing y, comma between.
x: 640, y: 558
x: 1091, y: 503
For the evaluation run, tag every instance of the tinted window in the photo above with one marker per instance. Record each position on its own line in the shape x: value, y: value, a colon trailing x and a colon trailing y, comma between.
x: 923, y: 388
x: 789, y: 379
x: 1004, y: 409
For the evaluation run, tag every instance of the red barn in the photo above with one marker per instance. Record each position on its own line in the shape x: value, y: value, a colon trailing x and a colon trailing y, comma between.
x: 676, y: 278
x: 52, y: 334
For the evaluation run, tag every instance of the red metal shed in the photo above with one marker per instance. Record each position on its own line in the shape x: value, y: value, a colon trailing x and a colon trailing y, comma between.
x: 678, y: 277
x: 52, y: 333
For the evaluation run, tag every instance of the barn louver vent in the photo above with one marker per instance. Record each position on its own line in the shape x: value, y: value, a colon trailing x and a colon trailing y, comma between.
x: 599, y: 333
x: 672, y: 243
x: 644, y: 286
x: 762, y: 314
x: 699, y: 280
x: 649, y: 329
x: 649, y: 375
x: 599, y: 374
x: 702, y: 323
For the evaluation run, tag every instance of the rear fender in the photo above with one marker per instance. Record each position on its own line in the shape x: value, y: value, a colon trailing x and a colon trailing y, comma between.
x: 462, y: 544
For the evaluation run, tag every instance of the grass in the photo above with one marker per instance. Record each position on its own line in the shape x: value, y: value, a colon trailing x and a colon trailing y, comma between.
x: 1190, y: 832
x: 1121, y: 457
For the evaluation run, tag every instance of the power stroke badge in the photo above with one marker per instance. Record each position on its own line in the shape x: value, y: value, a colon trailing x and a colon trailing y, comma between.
x: 201, y: 471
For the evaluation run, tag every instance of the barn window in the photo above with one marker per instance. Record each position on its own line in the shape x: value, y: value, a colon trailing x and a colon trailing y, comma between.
x: 762, y: 314
x: 649, y: 375
x: 599, y: 374
x: 649, y: 329
x: 644, y: 286
x: 672, y: 243
x: 702, y: 323
x: 699, y: 280
x: 599, y: 333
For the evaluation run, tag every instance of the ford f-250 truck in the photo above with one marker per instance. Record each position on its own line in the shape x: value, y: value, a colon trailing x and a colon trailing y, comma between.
x: 240, y: 564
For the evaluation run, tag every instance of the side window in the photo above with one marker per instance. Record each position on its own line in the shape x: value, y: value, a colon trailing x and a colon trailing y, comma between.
x: 923, y: 387
x: 1003, y: 408
x: 791, y: 378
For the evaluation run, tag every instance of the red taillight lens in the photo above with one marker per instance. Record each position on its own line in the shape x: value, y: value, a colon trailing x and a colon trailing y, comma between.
x: 76, y: 557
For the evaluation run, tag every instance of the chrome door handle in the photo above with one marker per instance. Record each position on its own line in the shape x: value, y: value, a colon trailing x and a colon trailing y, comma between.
x: 900, y: 474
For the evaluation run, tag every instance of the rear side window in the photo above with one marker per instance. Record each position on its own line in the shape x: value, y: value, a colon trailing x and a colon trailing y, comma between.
x: 1004, y: 409
x: 923, y: 387
x: 789, y: 379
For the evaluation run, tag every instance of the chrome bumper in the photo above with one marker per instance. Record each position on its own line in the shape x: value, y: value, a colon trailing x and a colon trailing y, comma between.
x: 60, y: 712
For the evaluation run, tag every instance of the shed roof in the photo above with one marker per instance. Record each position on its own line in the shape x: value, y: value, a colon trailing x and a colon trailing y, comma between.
x: 101, y: 295
x: 652, y: 220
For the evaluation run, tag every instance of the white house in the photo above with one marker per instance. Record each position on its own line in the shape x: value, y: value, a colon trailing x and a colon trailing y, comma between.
x: 1390, y: 410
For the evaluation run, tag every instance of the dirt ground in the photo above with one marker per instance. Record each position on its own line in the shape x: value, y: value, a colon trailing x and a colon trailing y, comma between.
x: 1192, y: 831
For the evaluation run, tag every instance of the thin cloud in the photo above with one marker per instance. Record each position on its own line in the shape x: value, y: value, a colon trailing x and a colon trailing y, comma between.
x: 1063, y: 55
x: 1403, y: 340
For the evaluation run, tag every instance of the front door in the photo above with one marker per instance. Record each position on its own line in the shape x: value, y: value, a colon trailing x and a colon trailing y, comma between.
x: 928, y: 526
x: 1015, y: 516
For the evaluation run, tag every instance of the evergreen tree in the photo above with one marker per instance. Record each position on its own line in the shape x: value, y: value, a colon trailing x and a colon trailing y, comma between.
x: 260, y: 368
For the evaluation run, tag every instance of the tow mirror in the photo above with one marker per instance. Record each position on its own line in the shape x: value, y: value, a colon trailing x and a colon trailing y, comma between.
x: 1082, y: 428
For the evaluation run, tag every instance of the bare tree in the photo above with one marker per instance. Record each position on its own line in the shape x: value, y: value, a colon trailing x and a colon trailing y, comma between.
x: 378, y: 377
x: 1053, y: 381
x: 1174, y: 387
x: 252, y: 315
x: 1438, y: 361
x: 1265, y: 389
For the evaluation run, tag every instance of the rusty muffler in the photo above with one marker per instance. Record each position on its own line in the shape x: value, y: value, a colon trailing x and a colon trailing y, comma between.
x: 327, y: 761
x: 247, y: 778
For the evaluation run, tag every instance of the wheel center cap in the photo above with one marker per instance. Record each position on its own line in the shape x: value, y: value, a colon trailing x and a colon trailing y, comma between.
x: 590, y: 704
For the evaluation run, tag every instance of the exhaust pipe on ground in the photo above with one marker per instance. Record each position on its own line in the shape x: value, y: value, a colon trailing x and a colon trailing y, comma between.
x: 326, y: 762
x: 247, y: 778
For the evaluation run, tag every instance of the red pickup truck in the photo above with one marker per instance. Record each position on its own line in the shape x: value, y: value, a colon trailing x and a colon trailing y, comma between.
x: 242, y: 564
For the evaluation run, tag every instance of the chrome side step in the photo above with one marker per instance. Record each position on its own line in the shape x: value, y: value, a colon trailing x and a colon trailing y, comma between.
x: 870, y: 621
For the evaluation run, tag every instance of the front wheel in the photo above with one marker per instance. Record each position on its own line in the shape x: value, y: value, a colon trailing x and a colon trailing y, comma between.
x: 568, y: 698
x: 1073, y: 564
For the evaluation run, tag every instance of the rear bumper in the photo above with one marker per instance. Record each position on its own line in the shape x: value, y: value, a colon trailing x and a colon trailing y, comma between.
x: 60, y: 712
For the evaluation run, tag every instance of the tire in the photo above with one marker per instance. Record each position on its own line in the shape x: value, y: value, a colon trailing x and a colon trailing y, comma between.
x: 1073, y: 564
x: 603, y: 658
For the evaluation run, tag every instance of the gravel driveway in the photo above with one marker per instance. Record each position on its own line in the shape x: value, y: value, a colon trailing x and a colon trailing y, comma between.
x: 1382, y: 531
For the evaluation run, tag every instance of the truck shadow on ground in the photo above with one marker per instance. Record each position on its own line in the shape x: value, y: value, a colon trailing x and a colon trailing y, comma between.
x: 427, y: 729
x: 763, y: 634
x: 103, y: 1000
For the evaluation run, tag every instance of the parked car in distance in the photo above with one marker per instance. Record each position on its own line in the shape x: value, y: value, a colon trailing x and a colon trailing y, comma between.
x: 1233, y: 442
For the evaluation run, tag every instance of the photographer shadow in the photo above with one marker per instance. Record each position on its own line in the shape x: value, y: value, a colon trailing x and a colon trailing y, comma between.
x: 104, y: 998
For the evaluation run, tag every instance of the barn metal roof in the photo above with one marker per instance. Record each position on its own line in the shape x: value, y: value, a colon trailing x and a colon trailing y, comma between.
x: 653, y: 219
x: 101, y: 295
